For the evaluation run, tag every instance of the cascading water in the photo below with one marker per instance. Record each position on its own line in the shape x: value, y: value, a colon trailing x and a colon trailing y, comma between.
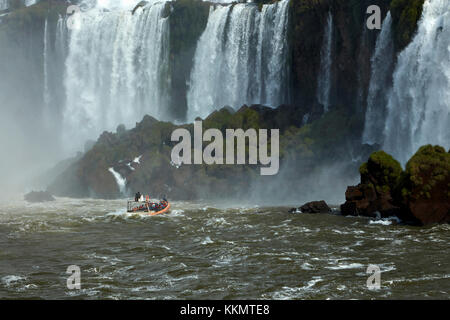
x: 241, y: 58
x: 380, y: 84
x: 4, y: 5
x: 324, y: 83
x: 121, y: 181
x: 46, y: 80
x: 116, y: 69
x: 61, y: 40
x: 30, y: 2
x: 419, y: 104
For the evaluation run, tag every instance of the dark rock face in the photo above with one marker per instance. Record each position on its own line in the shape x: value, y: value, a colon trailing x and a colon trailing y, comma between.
x: 364, y: 200
x: 312, y: 207
x: 183, y: 42
x: 352, y: 48
x: 315, y: 207
x: 419, y: 195
x: 379, y: 176
x: 38, y: 196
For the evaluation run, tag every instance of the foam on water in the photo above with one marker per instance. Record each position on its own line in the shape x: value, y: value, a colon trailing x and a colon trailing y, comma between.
x: 344, y: 266
x: 12, y: 280
x: 135, y: 256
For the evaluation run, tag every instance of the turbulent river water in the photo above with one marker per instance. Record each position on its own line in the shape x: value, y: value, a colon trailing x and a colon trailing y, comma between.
x: 201, y: 252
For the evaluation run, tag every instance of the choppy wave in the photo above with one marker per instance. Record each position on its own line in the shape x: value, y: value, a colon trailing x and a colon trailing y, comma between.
x: 235, y: 253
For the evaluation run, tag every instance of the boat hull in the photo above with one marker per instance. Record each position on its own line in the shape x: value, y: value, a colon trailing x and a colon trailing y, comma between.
x: 165, y: 210
x: 143, y: 209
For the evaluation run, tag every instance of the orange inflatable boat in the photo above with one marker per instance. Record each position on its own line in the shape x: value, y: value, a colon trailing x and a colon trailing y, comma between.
x: 165, y: 210
x: 148, y: 207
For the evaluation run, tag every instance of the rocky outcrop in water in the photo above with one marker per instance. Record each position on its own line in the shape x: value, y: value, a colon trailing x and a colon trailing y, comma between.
x: 418, y: 195
x: 313, y: 207
x: 39, y: 196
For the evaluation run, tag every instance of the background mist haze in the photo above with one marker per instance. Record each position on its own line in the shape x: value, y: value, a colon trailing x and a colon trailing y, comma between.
x: 29, y: 132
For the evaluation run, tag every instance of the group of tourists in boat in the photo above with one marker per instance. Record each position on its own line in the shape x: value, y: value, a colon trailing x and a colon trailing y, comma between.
x: 143, y: 204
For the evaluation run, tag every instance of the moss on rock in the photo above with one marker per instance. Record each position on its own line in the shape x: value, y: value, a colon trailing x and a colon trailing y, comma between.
x: 418, y: 195
x: 405, y: 16
x: 382, y: 170
x: 428, y: 169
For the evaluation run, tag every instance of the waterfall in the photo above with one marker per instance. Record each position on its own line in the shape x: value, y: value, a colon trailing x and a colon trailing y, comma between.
x: 382, y: 63
x: 241, y: 58
x: 324, y: 82
x: 121, y: 181
x: 4, y: 5
x: 46, y: 85
x: 116, y: 70
x: 419, y: 104
x: 60, y: 38
x: 111, y: 4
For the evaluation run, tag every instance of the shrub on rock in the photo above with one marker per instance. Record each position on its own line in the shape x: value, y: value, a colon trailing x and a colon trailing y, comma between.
x: 424, y: 188
x: 419, y: 195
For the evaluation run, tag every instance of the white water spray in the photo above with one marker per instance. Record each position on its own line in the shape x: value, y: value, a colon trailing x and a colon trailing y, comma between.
x: 121, y: 181
x: 241, y: 58
x: 380, y: 84
x: 419, y: 104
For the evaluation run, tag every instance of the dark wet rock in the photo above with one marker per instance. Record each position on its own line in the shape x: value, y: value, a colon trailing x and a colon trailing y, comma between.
x: 139, y: 5
x: 312, y: 207
x: 315, y: 207
x: 39, y: 196
x: 353, y: 193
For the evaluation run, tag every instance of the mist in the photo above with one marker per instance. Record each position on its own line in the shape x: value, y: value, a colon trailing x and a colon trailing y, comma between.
x: 29, y: 139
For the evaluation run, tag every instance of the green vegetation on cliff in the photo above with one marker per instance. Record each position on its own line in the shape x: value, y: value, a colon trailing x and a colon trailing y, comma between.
x: 405, y: 16
x: 25, y: 18
x: 311, y: 145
